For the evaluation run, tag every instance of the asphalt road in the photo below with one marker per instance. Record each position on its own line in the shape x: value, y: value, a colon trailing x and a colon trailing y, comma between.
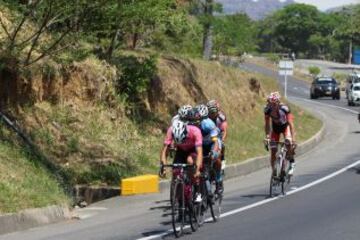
x: 326, y: 67
x: 322, y: 200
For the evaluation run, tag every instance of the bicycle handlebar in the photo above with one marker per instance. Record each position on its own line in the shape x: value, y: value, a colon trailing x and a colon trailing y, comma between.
x: 178, y: 165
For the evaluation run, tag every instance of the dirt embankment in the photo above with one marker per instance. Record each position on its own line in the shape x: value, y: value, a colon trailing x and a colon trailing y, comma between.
x: 78, y: 121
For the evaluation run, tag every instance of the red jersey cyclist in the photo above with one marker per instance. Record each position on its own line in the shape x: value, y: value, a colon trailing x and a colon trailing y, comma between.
x: 187, y: 140
x: 282, y: 123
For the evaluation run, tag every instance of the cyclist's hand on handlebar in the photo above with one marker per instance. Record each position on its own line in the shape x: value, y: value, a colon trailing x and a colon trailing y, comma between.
x: 162, y: 172
x: 266, y: 143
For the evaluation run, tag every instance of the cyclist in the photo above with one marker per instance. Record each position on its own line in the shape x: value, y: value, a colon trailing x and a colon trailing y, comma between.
x: 183, y: 113
x: 220, y: 120
x: 282, y: 121
x: 211, y: 142
x: 187, y: 140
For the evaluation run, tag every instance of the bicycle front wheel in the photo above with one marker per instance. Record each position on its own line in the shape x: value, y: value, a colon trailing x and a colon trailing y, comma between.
x: 178, y: 208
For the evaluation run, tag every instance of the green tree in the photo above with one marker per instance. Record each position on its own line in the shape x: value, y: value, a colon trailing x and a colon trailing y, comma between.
x: 348, y: 29
x: 234, y: 34
x: 294, y: 26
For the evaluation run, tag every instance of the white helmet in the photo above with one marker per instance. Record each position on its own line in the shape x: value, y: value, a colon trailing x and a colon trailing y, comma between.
x: 179, y: 131
x: 202, y: 110
x: 185, y: 111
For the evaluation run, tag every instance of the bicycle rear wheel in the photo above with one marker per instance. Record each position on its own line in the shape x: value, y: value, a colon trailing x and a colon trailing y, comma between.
x: 178, y: 208
x: 215, y: 206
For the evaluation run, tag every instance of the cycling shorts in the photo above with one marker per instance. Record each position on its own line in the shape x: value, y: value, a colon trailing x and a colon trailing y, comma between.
x: 275, y: 137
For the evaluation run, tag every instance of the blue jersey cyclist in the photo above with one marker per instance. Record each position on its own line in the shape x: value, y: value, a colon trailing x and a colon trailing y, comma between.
x: 211, y: 141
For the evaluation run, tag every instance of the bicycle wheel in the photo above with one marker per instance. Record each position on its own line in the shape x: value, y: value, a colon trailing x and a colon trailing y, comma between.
x: 272, y: 187
x: 215, y: 205
x: 283, y: 182
x: 192, y: 212
x: 178, y: 208
x: 202, y: 206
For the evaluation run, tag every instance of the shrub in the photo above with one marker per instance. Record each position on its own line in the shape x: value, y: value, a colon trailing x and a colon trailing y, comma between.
x: 135, y: 77
x: 313, y: 70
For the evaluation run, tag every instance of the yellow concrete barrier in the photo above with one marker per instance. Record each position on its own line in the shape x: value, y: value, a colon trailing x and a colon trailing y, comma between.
x: 140, y: 184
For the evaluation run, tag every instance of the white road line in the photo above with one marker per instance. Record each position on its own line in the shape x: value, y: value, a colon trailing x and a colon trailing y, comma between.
x: 242, y: 209
x: 328, y: 105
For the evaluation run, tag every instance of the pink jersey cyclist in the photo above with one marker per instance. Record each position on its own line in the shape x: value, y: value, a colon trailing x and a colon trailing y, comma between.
x: 187, y: 140
x: 193, y: 139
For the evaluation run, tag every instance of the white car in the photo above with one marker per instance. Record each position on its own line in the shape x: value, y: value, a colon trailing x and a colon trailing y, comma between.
x: 354, y: 94
x: 351, y: 79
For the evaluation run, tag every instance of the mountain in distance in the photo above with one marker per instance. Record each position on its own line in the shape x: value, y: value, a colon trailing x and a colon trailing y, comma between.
x: 341, y: 8
x: 255, y: 9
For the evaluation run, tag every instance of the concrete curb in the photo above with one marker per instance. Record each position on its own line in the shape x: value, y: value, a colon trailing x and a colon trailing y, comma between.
x: 257, y: 163
x: 31, y: 218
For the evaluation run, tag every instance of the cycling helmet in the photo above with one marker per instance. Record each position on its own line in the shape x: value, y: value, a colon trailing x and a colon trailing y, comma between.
x: 274, y: 97
x: 179, y: 131
x: 213, y: 106
x: 202, y: 110
x: 184, y: 111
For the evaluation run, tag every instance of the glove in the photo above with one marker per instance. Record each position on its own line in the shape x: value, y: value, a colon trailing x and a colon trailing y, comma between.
x: 162, y: 173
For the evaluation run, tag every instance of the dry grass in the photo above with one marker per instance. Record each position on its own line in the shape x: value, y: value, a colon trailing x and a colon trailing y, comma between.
x: 94, y: 140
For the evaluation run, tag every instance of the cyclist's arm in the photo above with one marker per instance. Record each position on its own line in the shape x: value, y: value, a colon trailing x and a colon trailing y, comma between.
x: 267, y: 126
x: 163, y: 154
x: 164, y: 151
x: 292, y: 127
x: 199, y: 158
x: 224, y: 130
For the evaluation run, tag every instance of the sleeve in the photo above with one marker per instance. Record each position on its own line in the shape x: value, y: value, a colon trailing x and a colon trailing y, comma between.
x: 267, y: 110
x: 198, y: 137
x: 169, y: 138
x: 285, y: 109
x: 222, y: 117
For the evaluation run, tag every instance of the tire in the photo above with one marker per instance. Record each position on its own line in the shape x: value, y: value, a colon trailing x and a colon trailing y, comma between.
x: 215, y: 206
x: 272, y: 186
x: 283, y: 182
x: 178, y: 209
x: 311, y: 96
x: 192, y: 217
x: 192, y: 213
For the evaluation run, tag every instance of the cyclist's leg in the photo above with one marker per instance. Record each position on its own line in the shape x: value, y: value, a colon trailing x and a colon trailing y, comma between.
x: 223, y: 161
x: 274, y: 138
x: 290, y: 151
x: 195, y: 181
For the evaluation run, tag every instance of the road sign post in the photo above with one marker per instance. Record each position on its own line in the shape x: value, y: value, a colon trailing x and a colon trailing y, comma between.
x: 286, y: 68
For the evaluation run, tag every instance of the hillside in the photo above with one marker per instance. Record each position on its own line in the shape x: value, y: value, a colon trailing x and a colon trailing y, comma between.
x: 95, y: 121
x: 256, y: 10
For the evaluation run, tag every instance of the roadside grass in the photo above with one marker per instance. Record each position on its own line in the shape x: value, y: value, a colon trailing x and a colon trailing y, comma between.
x: 93, y: 144
x: 24, y: 183
x: 98, y: 144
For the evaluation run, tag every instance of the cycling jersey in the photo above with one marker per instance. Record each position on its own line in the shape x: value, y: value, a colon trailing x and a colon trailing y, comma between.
x: 209, y: 131
x: 194, y: 139
x: 221, y: 122
x: 280, y: 119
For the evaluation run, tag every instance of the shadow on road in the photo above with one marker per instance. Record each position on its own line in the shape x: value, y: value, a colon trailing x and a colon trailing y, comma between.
x: 355, y: 169
x: 262, y: 196
x: 356, y: 132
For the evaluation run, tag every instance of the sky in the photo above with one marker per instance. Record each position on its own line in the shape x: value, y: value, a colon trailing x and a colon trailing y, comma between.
x: 326, y: 4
